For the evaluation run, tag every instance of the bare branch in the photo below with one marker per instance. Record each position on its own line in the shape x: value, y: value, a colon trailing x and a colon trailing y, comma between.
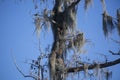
x: 116, y: 41
x: 21, y: 70
x: 113, y: 53
x: 92, y: 66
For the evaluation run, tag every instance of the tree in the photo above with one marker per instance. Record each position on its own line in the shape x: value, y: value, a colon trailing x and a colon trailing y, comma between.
x: 68, y: 41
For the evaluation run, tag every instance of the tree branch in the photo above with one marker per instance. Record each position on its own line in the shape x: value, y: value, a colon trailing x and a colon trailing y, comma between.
x: 92, y: 66
x: 20, y: 69
x: 75, y: 3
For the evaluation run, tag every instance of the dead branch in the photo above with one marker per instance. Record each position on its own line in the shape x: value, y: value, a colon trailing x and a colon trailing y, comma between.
x: 92, y: 66
x: 14, y: 60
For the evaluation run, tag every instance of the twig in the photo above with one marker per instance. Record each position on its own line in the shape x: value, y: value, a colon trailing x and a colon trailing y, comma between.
x: 113, y: 53
x: 118, y: 42
x: 14, y: 60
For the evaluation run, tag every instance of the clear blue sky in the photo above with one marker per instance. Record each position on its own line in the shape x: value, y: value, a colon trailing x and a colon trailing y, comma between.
x: 16, y: 33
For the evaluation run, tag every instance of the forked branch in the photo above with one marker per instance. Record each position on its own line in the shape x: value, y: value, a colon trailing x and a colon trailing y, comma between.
x: 31, y: 76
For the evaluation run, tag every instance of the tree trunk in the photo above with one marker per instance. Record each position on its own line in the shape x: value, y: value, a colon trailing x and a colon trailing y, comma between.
x: 57, y: 56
